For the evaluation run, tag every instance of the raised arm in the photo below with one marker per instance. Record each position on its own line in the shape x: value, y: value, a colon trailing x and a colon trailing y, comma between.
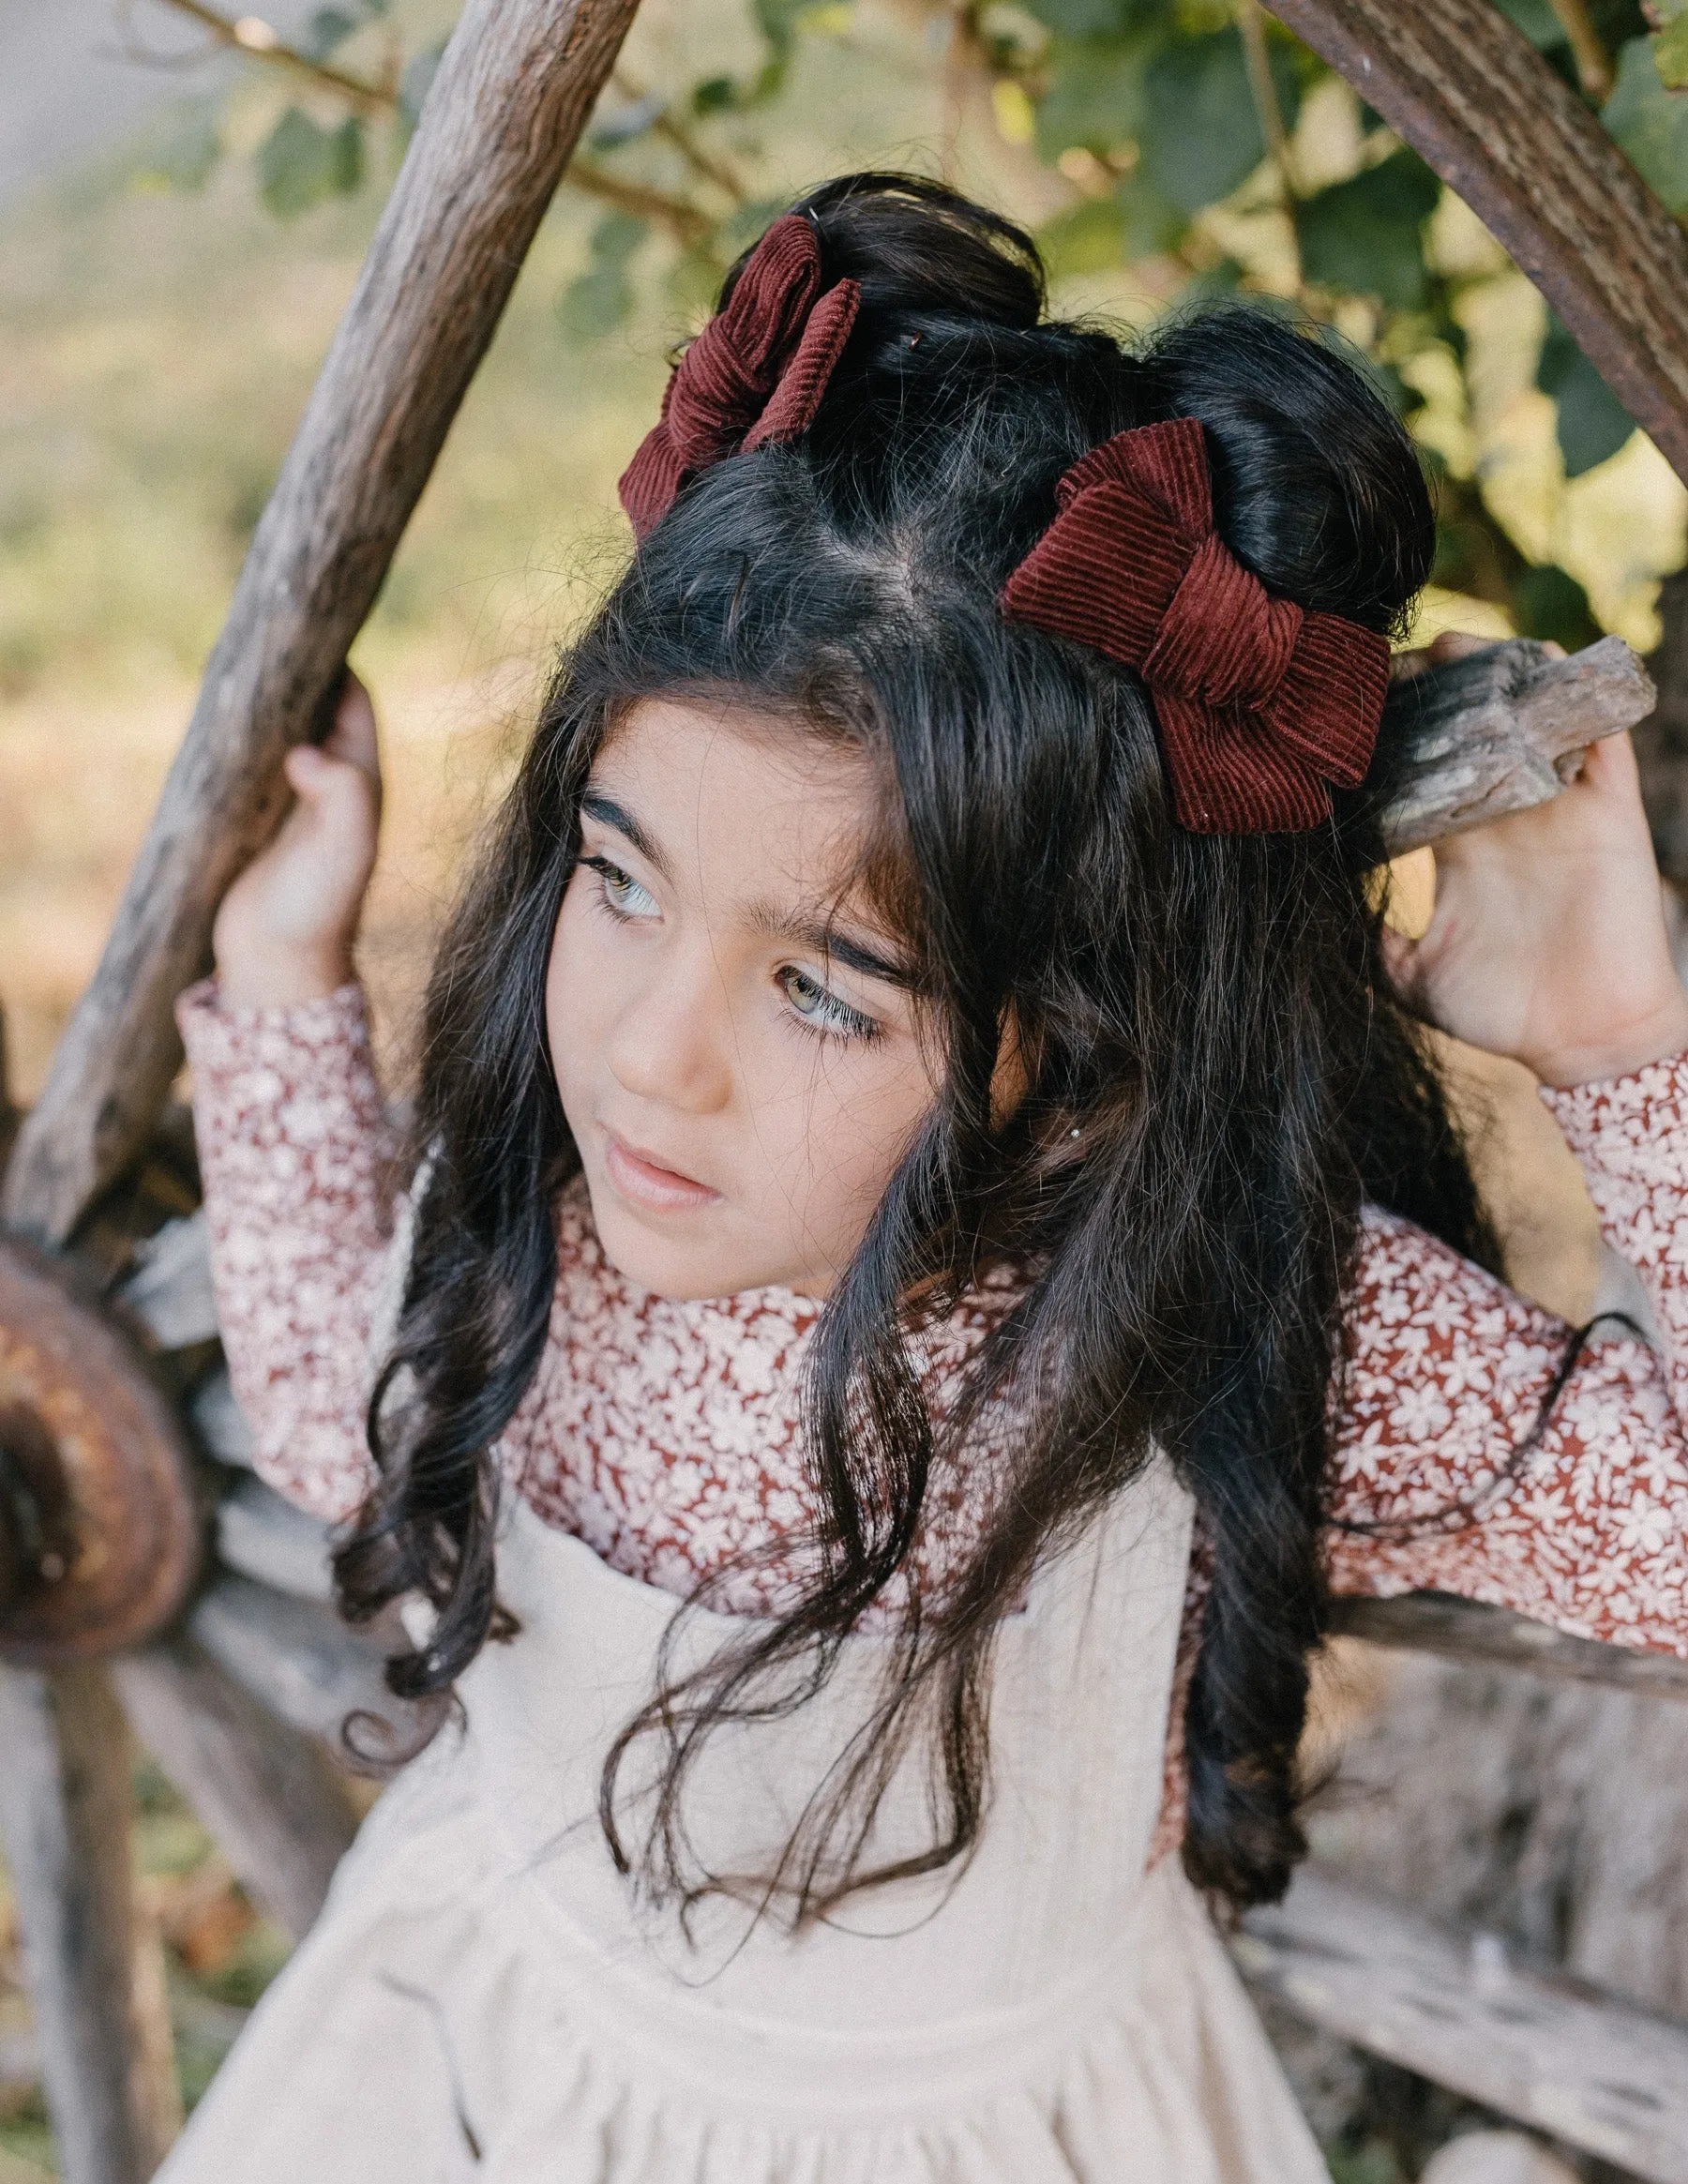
x: 1454, y: 1468
x: 294, y: 1149
x: 297, y: 1159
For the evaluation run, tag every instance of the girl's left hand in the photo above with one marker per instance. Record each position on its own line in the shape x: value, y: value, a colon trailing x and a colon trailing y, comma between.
x: 1549, y: 941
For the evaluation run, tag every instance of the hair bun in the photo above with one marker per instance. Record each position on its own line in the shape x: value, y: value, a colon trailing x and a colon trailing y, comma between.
x: 916, y: 246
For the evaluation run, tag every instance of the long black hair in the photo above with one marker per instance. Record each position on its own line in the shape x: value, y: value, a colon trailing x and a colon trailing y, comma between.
x: 1217, y: 1071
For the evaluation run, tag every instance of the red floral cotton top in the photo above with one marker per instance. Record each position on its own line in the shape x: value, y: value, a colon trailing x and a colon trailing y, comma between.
x: 664, y: 1434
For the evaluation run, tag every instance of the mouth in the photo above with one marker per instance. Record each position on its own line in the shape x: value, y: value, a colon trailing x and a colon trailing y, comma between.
x: 643, y: 1180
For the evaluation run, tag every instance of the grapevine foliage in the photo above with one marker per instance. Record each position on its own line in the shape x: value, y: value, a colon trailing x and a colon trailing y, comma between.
x: 1171, y: 121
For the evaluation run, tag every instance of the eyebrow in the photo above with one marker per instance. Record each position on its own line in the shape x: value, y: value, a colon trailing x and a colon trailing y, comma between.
x: 826, y: 939
x: 804, y: 930
x: 595, y: 805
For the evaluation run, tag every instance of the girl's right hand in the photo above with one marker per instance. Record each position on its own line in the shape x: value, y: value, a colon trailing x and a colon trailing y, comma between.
x: 284, y: 932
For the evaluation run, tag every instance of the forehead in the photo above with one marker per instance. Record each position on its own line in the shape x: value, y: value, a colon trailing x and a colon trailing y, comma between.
x: 732, y: 796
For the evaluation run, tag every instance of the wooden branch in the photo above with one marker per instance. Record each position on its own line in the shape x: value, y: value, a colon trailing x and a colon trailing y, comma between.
x: 64, y: 1816
x: 220, y: 1423
x: 1571, y: 2059
x: 672, y: 131
x: 513, y: 92
x: 297, y: 1659
x: 251, y: 36
x: 1465, y: 1629
x: 265, y: 1790
x: 1473, y: 95
x: 685, y: 223
x: 1476, y: 738
x: 262, y: 1537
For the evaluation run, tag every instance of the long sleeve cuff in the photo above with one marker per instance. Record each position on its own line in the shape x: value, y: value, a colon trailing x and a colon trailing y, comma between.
x: 1631, y: 1135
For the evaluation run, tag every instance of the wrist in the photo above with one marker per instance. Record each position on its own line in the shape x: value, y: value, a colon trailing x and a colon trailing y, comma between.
x: 282, y: 977
x: 1659, y: 1036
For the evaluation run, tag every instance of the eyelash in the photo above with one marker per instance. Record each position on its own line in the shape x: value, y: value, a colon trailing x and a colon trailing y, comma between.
x: 833, y: 1018
x: 828, y: 1018
x: 610, y: 877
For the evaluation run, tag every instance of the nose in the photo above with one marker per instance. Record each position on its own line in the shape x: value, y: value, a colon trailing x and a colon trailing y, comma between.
x: 671, y: 1042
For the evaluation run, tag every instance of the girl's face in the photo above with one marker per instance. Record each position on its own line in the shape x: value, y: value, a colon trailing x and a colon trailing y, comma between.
x: 735, y: 1043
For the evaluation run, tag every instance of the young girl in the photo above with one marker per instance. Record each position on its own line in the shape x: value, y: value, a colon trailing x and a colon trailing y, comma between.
x: 933, y: 1243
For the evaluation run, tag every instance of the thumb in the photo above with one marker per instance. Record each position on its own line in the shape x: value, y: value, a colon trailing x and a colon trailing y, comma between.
x: 336, y: 792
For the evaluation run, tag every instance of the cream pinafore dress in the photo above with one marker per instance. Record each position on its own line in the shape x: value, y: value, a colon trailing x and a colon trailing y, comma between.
x: 484, y: 1999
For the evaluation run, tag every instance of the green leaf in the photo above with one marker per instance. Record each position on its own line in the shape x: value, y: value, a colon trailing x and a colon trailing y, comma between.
x: 1367, y: 234
x: 1151, y: 224
x: 714, y: 95
x: 1537, y: 20
x: 1086, y: 238
x: 299, y: 164
x: 1651, y: 124
x: 1551, y: 605
x: 600, y: 299
x: 1101, y: 18
x: 1203, y: 134
x: 1097, y: 96
x: 1593, y: 422
x: 1671, y: 53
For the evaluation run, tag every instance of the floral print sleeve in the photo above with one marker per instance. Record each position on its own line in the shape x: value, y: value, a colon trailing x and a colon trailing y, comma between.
x: 1446, y: 1374
x: 296, y: 1155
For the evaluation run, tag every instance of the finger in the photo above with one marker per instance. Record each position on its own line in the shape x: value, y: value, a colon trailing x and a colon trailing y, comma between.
x: 1457, y: 644
x: 336, y: 792
x: 352, y: 736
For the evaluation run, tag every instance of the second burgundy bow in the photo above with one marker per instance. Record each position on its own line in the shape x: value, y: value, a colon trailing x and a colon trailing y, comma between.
x: 1261, y: 706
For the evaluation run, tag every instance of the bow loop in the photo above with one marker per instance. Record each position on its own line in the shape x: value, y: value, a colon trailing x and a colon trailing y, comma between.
x: 755, y: 374
x: 1261, y: 706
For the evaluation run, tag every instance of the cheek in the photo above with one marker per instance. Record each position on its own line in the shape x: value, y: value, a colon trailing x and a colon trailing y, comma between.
x: 841, y: 1130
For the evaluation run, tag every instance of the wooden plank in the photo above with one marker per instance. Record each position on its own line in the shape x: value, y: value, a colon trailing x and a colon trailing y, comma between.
x: 1571, y: 2059
x: 63, y: 1814
x: 266, y: 1792
x: 513, y: 92
x: 265, y: 1537
x: 1473, y: 95
x: 1465, y: 1629
x: 1476, y: 738
x: 298, y: 1659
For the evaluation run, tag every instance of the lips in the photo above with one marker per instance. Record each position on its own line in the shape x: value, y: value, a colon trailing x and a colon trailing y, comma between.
x: 642, y: 1180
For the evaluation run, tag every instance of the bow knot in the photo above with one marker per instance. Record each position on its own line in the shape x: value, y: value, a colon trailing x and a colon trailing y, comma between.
x: 755, y: 374
x: 1261, y: 706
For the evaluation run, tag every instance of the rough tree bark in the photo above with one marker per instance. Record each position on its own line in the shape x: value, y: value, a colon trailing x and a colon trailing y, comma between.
x: 1471, y: 94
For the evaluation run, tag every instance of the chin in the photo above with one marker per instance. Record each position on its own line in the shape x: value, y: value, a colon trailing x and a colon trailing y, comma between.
x: 668, y: 1262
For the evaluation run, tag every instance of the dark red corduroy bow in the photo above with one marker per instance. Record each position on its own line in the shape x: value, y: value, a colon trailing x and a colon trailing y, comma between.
x: 754, y: 373
x: 1259, y: 704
